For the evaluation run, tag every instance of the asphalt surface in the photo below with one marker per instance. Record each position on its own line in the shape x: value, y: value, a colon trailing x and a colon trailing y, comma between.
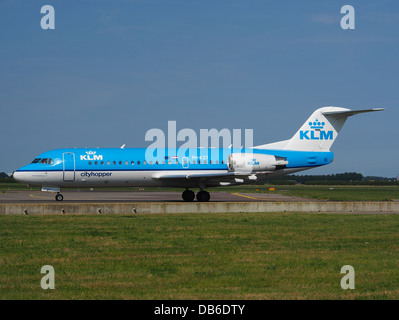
x: 135, y: 196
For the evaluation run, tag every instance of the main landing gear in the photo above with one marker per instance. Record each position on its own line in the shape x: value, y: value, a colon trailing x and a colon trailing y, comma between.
x: 202, y: 196
x: 59, y: 197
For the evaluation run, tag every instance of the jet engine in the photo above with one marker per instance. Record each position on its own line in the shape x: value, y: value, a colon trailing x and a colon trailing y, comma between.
x: 255, y: 162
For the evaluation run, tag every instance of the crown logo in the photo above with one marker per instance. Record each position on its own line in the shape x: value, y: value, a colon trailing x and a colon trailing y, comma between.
x: 316, y: 124
x: 90, y: 152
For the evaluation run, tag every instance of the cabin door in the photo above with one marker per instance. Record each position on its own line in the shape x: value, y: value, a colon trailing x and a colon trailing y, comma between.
x: 69, y: 166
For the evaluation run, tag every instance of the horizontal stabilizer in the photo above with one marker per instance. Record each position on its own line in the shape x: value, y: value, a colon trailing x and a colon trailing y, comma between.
x: 352, y: 112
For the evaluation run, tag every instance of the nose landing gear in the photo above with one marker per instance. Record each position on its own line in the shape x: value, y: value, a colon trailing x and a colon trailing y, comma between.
x: 59, y: 197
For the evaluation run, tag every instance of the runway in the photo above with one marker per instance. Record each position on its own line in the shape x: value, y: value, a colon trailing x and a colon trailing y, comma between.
x: 71, y: 196
x: 157, y: 202
x: 83, y: 202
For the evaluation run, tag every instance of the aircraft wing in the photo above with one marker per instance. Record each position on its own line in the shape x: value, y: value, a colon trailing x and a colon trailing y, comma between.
x: 210, y: 175
x: 210, y: 179
x: 194, y: 176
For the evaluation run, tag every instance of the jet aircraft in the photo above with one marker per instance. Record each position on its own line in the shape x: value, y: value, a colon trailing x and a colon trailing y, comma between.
x: 195, y: 168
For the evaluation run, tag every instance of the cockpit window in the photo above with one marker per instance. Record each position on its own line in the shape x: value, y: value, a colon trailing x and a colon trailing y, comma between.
x: 43, y: 160
x: 46, y: 161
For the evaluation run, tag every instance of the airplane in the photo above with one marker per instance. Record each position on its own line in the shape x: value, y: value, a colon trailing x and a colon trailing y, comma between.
x: 195, y: 168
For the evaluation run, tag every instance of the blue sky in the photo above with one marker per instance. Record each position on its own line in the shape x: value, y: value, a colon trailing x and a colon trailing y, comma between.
x: 111, y: 70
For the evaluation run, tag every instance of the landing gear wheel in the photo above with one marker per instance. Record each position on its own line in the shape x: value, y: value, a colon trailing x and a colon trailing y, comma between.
x: 203, y: 196
x: 188, y: 195
x: 59, y: 197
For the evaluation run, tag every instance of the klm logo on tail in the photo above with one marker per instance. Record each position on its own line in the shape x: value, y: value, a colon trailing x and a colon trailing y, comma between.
x: 317, y: 133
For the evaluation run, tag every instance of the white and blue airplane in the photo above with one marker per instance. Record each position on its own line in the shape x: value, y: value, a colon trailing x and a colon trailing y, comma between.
x: 196, y: 168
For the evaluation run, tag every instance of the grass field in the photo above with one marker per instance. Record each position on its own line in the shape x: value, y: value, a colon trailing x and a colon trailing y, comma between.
x: 15, y: 186
x: 206, y: 256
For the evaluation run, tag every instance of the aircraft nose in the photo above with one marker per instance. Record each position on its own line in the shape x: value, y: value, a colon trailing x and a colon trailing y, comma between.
x: 17, y: 176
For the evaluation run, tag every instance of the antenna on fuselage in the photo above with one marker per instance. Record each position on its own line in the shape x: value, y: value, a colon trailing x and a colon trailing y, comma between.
x: 123, y: 146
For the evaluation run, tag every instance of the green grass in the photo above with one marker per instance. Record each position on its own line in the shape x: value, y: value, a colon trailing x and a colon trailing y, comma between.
x: 207, y: 256
x: 15, y: 186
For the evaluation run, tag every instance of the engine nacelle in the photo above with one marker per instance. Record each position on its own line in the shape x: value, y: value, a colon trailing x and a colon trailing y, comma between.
x: 254, y: 162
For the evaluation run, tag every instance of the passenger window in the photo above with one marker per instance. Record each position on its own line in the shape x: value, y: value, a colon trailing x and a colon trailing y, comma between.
x: 163, y: 162
x: 199, y: 161
x: 102, y: 162
x: 194, y: 162
x: 96, y: 162
x: 217, y: 161
x: 138, y: 162
x: 90, y: 163
x: 120, y: 162
x: 108, y: 162
x: 144, y: 162
x: 151, y: 162
x: 132, y: 163
x: 114, y: 162
x: 126, y: 162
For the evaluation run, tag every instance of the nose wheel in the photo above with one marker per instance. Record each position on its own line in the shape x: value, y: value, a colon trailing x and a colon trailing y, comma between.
x: 59, y: 197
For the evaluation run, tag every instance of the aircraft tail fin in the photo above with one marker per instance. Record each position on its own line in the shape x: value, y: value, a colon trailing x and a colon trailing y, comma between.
x: 319, y: 132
